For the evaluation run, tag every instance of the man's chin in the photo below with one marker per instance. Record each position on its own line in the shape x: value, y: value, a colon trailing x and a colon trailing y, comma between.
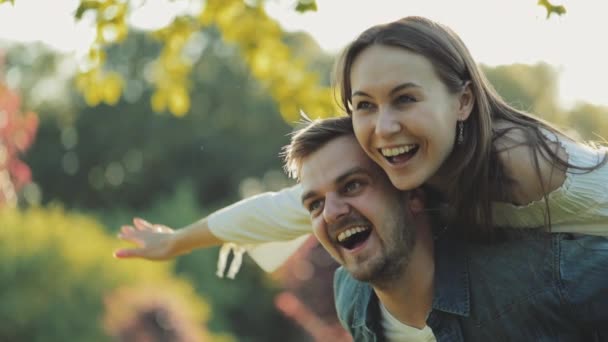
x: 378, y: 271
x: 367, y: 271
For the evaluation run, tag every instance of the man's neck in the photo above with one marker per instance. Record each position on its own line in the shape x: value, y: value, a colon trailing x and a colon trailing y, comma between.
x: 409, y: 298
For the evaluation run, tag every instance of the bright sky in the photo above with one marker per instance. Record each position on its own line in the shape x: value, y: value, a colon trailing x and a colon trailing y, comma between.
x: 496, y: 31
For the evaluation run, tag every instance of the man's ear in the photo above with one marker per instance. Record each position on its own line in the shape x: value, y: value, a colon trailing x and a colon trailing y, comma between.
x: 417, y: 201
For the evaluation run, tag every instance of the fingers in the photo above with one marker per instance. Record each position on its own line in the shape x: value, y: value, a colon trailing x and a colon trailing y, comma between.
x: 128, y: 253
x: 141, y: 223
x: 127, y: 229
x: 130, y: 234
x: 163, y: 229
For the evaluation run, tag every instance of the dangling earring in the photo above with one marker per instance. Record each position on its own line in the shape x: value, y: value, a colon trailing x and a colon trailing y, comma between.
x: 460, y: 140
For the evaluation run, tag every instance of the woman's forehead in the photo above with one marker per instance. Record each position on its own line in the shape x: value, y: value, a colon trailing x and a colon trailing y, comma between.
x: 381, y: 67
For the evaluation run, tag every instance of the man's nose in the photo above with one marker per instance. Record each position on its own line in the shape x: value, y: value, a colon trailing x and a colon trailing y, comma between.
x: 387, y: 123
x: 335, y: 208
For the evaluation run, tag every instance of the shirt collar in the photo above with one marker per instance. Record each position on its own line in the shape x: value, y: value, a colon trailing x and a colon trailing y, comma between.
x: 452, y: 293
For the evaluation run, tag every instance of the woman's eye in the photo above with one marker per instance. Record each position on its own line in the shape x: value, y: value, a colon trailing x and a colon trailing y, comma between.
x: 363, y: 105
x: 404, y: 99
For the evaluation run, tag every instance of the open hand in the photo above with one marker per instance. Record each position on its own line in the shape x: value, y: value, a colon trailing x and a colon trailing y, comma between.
x: 154, y: 241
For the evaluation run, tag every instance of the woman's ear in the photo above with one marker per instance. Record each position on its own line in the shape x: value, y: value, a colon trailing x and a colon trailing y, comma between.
x: 417, y: 201
x: 466, y: 101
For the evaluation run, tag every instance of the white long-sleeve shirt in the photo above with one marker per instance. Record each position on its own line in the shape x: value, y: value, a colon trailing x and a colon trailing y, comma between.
x: 580, y: 205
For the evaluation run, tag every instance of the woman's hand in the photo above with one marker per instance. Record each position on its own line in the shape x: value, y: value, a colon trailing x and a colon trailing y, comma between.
x: 154, y: 241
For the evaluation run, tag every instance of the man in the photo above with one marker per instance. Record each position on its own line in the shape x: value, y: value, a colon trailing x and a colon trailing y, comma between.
x: 403, y: 279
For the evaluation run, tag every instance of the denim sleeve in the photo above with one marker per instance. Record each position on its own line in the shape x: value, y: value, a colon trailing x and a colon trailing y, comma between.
x: 583, y: 273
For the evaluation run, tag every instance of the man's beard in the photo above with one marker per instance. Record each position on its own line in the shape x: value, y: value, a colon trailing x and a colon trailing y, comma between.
x: 399, y: 236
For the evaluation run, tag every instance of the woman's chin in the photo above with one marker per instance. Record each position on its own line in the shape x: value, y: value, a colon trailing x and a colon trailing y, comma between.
x: 405, y: 181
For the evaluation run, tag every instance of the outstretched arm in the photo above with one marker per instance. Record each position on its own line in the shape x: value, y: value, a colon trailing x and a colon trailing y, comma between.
x: 268, y: 217
x: 159, y: 242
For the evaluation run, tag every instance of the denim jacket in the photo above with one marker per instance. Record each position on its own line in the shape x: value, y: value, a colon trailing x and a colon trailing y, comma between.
x: 541, y: 288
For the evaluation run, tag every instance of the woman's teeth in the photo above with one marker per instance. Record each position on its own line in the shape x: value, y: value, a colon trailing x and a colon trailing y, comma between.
x: 395, y: 151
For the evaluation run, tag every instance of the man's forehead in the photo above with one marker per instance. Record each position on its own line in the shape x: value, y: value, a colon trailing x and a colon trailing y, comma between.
x: 335, y: 159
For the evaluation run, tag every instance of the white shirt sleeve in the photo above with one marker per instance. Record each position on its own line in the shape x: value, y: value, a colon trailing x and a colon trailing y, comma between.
x: 270, y: 226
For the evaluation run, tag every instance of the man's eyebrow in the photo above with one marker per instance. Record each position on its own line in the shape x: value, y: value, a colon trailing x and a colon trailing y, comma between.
x: 307, y: 195
x: 393, y: 91
x: 338, y: 180
x: 349, y: 173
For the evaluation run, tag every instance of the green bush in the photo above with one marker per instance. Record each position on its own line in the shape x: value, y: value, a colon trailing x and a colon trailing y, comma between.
x: 57, y: 270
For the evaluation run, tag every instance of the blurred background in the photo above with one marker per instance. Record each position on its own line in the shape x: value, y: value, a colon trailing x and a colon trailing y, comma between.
x: 170, y: 109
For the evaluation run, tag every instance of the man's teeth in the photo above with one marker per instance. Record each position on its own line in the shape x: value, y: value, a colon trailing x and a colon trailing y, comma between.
x: 349, y: 232
x: 395, y: 151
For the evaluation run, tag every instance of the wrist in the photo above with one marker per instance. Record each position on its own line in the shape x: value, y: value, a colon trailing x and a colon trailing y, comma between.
x: 177, y: 243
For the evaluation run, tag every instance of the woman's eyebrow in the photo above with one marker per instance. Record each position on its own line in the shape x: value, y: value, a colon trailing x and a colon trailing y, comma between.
x: 404, y: 86
x: 398, y: 88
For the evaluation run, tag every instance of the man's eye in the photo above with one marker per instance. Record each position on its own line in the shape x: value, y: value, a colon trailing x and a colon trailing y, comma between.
x: 364, y: 105
x: 314, y: 206
x: 352, y: 186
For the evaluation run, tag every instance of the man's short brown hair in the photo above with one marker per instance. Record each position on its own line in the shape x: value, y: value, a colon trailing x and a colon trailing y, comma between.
x: 311, y: 138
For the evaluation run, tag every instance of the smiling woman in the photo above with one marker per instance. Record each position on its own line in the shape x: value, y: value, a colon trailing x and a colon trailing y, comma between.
x: 389, y: 83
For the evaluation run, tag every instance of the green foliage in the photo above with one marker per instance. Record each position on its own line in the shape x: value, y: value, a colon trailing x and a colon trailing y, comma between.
x: 589, y: 122
x: 552, y: 9
x: 532, y: 88
x: 127, y: 157
x: 150, y: 313
x: 306, y: 5
x: 259, y: 40
x: 56, y: 270
x: 244, y: 24
x: 230, y: 300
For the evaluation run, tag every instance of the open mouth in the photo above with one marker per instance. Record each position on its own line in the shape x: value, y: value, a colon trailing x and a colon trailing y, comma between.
x: 400, y: 154
x: 354, y: 236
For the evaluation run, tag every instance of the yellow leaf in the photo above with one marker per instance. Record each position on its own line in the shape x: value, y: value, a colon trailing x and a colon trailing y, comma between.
x: 92, y: 96
x: 159, y: 101
x: 179, y: 101
x: 112, y: 88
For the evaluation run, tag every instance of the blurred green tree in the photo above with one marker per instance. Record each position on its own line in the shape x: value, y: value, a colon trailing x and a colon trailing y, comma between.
x: 56, y: 273
x: 589, y: 122
x: 173, y: 170
x: 532, y: 88
x: 122, y: 156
